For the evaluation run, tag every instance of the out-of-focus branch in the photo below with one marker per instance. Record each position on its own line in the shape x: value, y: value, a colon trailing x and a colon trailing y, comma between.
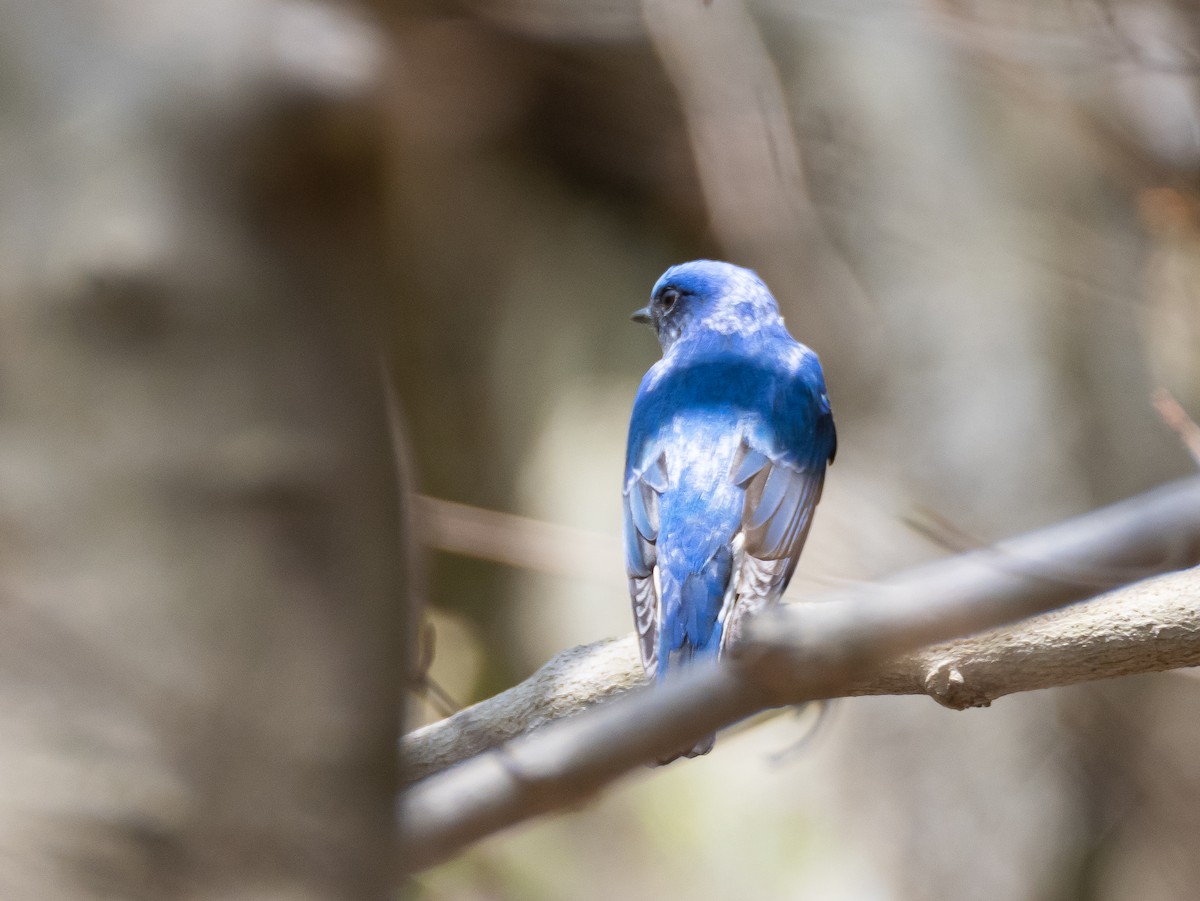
x: 518, y: 541
x: 747, y: 157
x: 1178, y: 421
x: 738, y: 121
x: 1114, y: 148
x: 807, y: 651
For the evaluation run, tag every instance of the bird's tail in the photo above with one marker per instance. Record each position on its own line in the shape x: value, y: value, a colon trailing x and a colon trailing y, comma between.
x: 678, y: 661
x: 691, y: 631
x: 699, y: 749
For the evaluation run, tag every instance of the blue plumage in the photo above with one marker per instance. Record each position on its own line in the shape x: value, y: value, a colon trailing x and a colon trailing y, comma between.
x: 730, y: 435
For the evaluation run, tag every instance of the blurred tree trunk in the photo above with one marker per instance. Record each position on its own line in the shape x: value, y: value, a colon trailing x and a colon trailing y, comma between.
x: 200, y: 618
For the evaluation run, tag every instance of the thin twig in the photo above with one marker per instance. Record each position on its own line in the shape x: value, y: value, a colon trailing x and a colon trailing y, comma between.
x: 1177, y: 420
x: 518, y: 541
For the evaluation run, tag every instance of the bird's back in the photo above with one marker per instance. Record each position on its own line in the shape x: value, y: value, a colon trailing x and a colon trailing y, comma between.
x: 695, y: 414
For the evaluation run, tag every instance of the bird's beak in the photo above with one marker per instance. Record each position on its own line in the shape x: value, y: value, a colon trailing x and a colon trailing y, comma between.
x: 643, y: 316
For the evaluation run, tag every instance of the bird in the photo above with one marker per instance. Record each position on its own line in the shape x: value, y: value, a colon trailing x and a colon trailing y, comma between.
x: 729, y: 438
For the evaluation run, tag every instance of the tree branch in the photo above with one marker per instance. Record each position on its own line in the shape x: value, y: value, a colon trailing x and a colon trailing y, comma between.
x: 569, y: 682
x: 817, y: 650
x: 1148, y: 627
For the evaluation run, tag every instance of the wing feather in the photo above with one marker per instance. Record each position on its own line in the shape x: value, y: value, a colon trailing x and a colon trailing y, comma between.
x: 645, y: 614
x: 655, y: 475
x: 641, y: 495
x: 774, y: 488
x: 780, y: 498
x: 643, y: 507
x: 747, y: 464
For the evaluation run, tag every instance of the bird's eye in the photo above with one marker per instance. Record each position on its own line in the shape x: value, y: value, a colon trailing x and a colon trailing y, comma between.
x: 667, y: 301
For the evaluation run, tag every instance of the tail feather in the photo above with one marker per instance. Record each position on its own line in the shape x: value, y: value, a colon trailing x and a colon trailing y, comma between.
x: 699, y: 749
x: 692, y: 628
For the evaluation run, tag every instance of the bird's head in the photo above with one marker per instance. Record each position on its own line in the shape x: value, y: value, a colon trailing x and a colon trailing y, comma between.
x: 706, y: 296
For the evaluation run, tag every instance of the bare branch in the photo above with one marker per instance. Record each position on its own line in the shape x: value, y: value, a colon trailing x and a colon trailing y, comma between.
x: 806, y: 651
x: 1148, y: 627
x: 571, y: 681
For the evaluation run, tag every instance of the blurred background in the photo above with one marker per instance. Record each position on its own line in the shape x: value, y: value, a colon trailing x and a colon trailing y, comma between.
x: 984, y: 216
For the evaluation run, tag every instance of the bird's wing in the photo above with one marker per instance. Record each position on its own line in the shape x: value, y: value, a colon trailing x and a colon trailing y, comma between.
x: 782, y: 476
x: 643, y: 485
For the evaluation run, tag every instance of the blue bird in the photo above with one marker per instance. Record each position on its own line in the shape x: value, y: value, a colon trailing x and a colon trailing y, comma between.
x: 728, y: 442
